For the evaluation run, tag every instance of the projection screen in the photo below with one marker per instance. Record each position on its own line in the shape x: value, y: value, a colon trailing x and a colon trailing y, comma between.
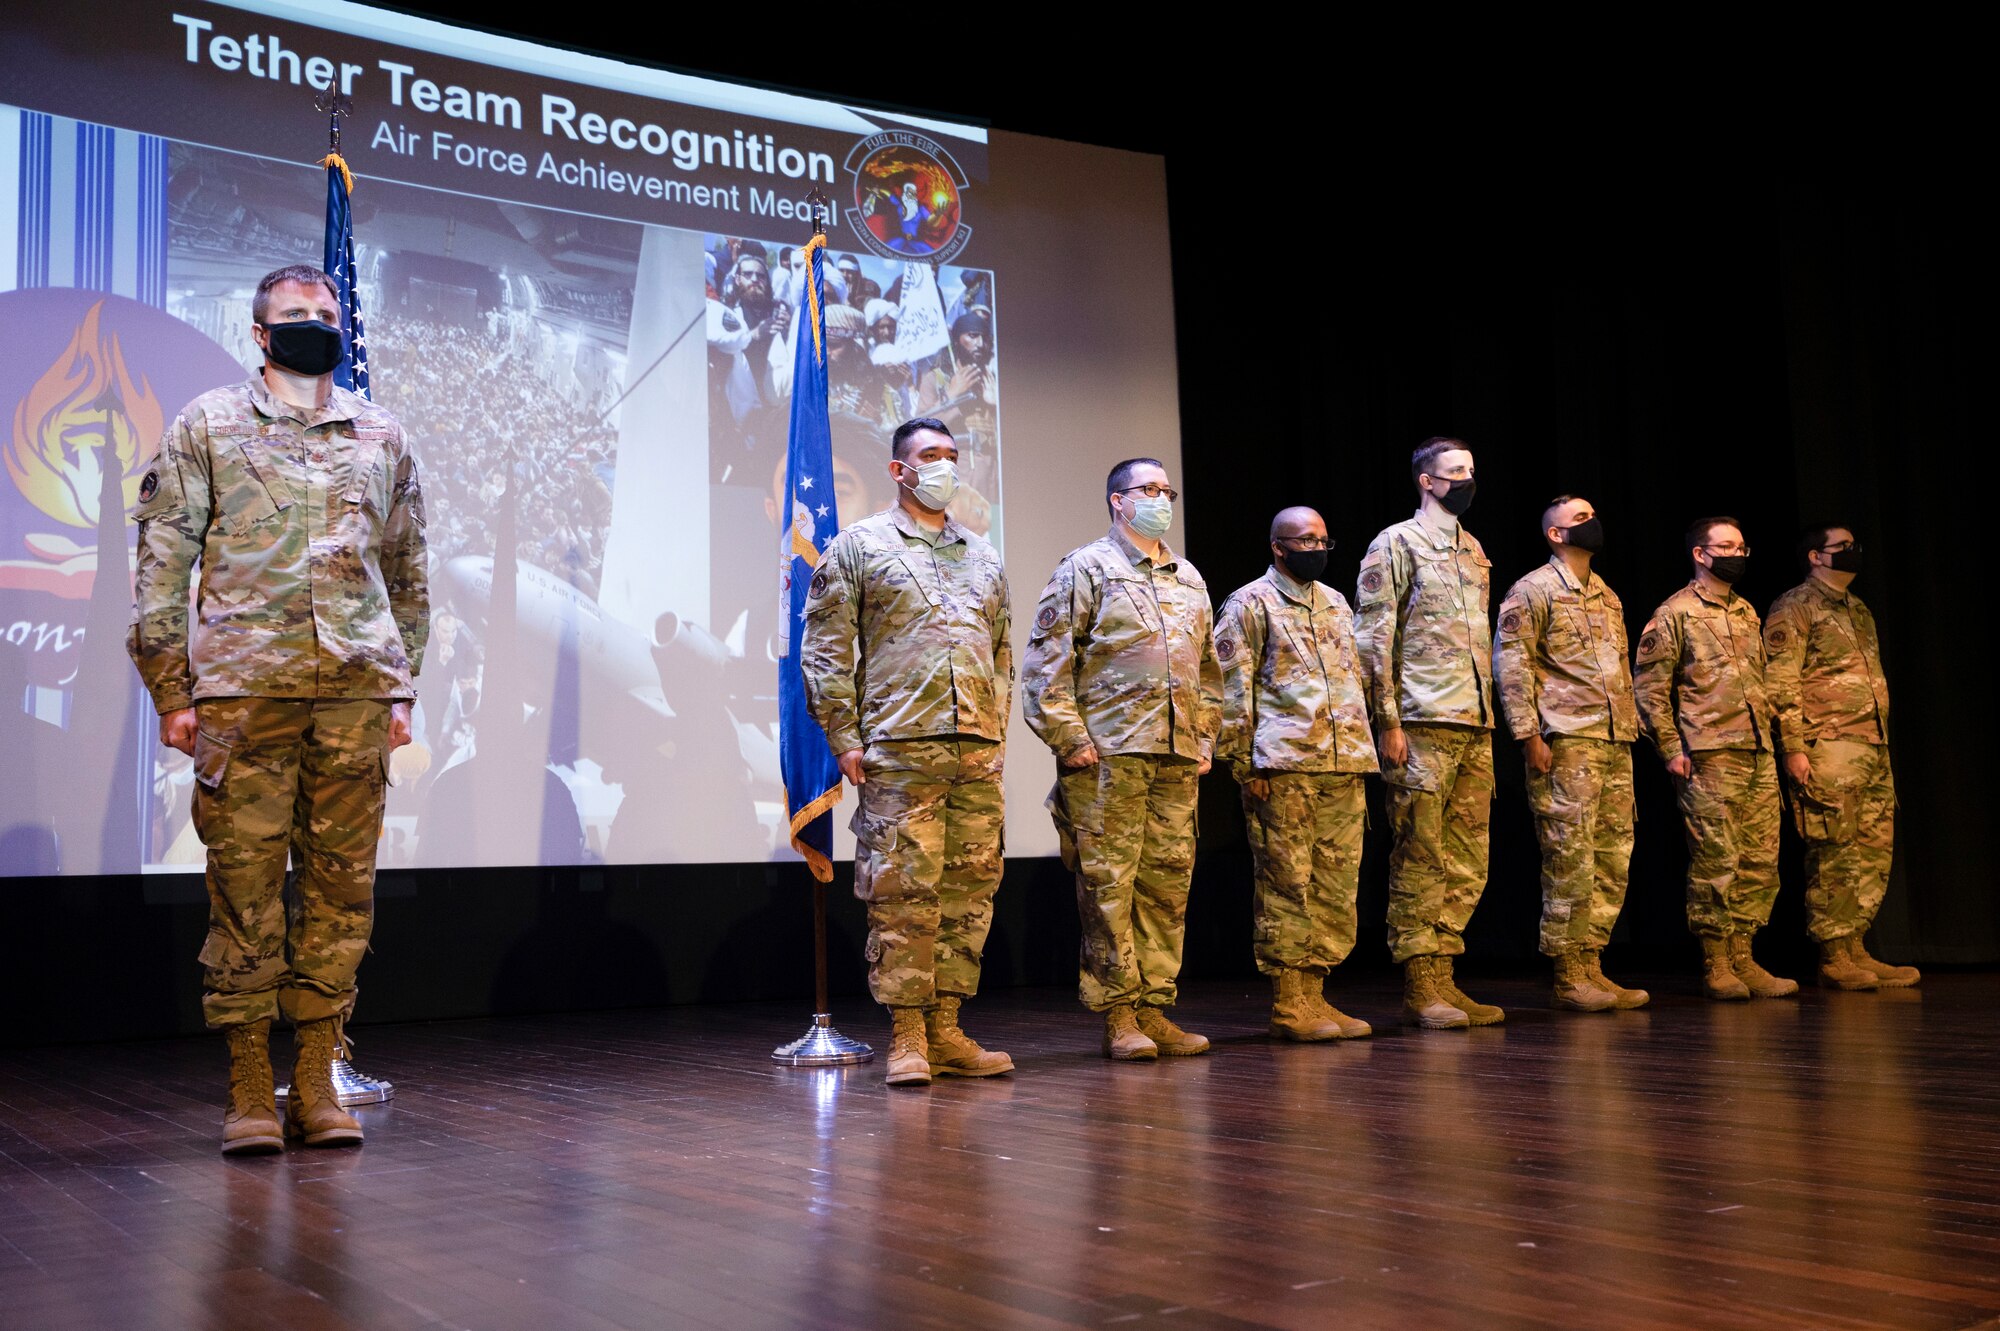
x: 578, y: 276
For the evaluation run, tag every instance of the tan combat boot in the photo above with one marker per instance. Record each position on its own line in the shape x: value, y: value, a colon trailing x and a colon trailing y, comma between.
x: 1886, y: 976
x: 1293, y: 1014
x: 1760, y: 982
x: 1575, y: 987
x: 1422, y: 1003
x: 909, y: 1048
x: 1479, y: 1014
x: 953, y: 1053
x: 313, y: 1112
x: 1838, y: 971
x: 250, y: 1124
x: 1718, y: 977
x: 1626, y: 999
x: 1351, y: 1028
x: 1171, y: 1039
x: 1123, y: 1040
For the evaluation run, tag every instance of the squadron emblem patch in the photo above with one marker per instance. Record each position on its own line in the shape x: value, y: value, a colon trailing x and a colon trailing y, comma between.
x: 1650, y: 643
x: 1510, y: 622
x: 818, y: 587
x: 1371, y: 581
x: 1225, y: 649
x: 150, y: 486
x: 1046, y: 620
x: 1779, y: 637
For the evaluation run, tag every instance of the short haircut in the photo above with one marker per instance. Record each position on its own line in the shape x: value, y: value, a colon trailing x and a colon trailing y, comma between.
x: 1698, y: 530
x: 1814, y: 538
x: 302, y: 273
x: 1549, y: 511
x: 1120, y: 476
x: 1427, y: 453
x: 899, y: 441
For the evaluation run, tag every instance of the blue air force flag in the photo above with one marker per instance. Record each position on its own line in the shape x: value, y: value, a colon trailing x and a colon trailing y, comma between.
x: 812, y: 778
x: 352, y: 372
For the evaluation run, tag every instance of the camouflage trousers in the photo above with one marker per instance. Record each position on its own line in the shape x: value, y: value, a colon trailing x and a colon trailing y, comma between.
x: 927, y: 860
x: 1846, y: 815
x: 287, y: 775
x: 1305, y: 847
x: 1440, y: 805
x: 1730, y: 809
x: 1583, y: 818
x: 1126, y: 828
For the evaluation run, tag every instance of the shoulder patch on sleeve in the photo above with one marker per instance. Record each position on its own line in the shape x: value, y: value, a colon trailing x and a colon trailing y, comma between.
x: 1779, y: 636
x: 1510, y: 622
x: 1371, y: 580
x: 150, y: 486
x: 819, y: 582
x: 1225, y: 649
x: 1045, y: 618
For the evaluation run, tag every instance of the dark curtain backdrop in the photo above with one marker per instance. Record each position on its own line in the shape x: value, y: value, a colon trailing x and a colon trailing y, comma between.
x: 1718, y: 292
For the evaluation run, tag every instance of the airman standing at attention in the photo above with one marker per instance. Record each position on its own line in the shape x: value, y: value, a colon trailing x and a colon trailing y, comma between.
x: 1699, y: 683
x: 1566, y: 691
x: 909, y: 668
x: 1295, y: 736
x: 1824, y: 671
x: 1121, y: 682
x: 300, y: 502
x: 1427, y: 650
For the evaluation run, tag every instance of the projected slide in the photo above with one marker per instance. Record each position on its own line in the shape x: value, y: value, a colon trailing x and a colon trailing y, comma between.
x: 581, y: 282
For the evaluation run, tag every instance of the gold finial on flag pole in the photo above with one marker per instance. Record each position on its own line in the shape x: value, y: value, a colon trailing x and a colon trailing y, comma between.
x: 336, y: 105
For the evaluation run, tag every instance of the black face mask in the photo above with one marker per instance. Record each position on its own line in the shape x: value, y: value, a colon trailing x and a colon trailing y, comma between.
x: 1587, y: 535
x: 305, y: 348
x: 1304, y: 565
x: 1728, y: 567
x: 1845, y: 561
x: 1459, y: 498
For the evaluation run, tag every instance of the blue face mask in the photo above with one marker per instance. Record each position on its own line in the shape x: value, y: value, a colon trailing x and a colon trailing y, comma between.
x: 1151, y: 515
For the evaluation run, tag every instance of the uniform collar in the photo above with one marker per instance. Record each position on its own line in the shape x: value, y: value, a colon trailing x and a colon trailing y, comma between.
x: 950, y: 534
x: 1829, y: 591
x: 1568, y: 578
x: 1727, y: 600
x: 1133, y: 556
x: 1443, y: 538
x: 1306, y: 594
x: 341, y: 405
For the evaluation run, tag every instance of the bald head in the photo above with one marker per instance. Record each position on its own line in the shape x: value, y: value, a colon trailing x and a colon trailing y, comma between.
x: 1297, y: 521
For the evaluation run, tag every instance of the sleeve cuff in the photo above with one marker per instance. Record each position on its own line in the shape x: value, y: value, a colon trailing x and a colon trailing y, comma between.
x: 175, y: 702
x: 844, y: 739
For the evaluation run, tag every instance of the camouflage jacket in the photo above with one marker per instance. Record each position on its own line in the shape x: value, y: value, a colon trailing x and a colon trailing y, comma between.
x: 1823, y: 668
x: 907, y: 635
x: 1421, y: 627
x: 1292, y: 698
x: 1699, y: 680
x: 1559, y: 658
x: 1122, y: 655
x: 309, y: 527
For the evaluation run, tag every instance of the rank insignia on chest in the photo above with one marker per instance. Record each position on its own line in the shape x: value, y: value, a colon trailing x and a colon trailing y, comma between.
x: 1046, y: 620
x: 150, y: 486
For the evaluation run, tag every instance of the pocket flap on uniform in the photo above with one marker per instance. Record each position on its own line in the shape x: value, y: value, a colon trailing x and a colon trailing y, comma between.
x: 211, y: 759
x: 874, y: 831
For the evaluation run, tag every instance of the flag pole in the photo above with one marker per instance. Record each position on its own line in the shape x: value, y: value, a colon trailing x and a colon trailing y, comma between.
x: 351, y: 1086
x: 822, y: 1046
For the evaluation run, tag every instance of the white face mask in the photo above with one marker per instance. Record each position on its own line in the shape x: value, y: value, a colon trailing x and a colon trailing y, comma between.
x: 936, y: 483
x: 1150, y: 515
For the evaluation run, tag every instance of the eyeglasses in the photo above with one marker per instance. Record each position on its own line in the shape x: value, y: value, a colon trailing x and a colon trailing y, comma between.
x: 1153, y: 490
x: 1837, y: 547
x: 1306, y: 542
x: 1728, y: 548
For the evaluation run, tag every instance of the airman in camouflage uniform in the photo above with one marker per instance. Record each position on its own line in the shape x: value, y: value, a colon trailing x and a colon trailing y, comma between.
x: 1699, y: 684
x: 909, y: 668
x: 1427, y: 652
x: 1823, y: 668
x: 1295, y: 736
x: 291, y: 686
x: 1121, y: 681
x: 1566, y: 691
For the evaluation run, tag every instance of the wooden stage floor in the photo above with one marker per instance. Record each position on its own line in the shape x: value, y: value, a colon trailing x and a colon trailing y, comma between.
x: 1826, y: 1162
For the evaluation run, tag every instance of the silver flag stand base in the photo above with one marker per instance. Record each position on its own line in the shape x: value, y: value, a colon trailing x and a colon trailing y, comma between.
x: 358, y: 1088
x: 822, y: 1047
